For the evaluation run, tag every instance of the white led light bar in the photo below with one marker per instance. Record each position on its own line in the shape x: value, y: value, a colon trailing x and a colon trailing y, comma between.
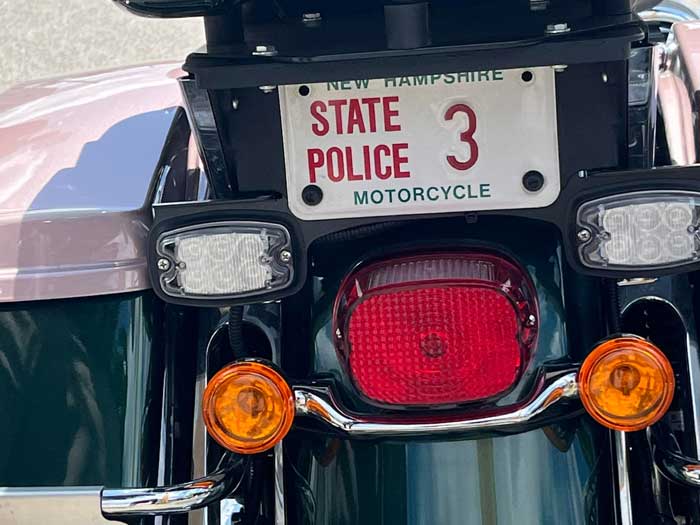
x: 644, y: 230
x: 225, y: 260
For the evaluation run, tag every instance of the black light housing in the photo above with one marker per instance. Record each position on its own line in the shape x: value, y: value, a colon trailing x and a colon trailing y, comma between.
x: 174, y: 8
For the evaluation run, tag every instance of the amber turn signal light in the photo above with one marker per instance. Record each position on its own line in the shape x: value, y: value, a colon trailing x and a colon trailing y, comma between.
x: 626, y: 384
x: 248, y: 407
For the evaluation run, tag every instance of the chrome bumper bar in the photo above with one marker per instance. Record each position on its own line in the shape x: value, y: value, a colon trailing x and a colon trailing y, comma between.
x: 322, y: 405
x: 172, y: 500
x: 550, y: 400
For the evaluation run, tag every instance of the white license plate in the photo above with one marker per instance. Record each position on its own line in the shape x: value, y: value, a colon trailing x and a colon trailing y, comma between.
x: 426, y: 144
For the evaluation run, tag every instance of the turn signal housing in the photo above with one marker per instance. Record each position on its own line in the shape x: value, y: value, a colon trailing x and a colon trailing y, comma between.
x: 248, y: 407
x: 626, y: 384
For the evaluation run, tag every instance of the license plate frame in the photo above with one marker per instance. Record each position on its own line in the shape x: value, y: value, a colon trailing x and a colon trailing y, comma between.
x: 460, y: 142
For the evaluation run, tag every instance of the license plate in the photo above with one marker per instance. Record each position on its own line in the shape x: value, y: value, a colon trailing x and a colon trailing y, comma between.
x: 457, y: 142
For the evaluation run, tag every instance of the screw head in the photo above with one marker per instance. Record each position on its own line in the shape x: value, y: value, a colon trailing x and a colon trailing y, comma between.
x: 265, y: 51
x: 163, y: 265
x: 310, y: 18
x: 268, y: 89
x: 533, y: 181
x: 285, y: 256
x: 555, y: 29
x: 582, y: 174
x: 560, y: 68
x: 312, y: 195
x: 583, y: 236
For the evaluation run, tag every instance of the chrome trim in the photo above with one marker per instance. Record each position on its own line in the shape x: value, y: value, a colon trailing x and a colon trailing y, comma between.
x: 169, y: 500
x: 694, y: 380
x: 623, y: 480
x: 677, y: 468
x: 51, y: 506
x: 672, y: 11
x: 693, y: 355
x: 200, y: 438
x: 280, y: 507
x: 670, y: 461
x: 321, y: 404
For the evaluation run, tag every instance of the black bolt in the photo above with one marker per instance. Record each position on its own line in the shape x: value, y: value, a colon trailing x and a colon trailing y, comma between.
x: 533, y: 181
x: 312, y: 195
x: 304, y: 91
x: 527, y: 76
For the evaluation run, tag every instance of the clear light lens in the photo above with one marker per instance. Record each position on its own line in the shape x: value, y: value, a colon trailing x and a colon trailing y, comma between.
x: 225, y: 260
x: 640, y: 230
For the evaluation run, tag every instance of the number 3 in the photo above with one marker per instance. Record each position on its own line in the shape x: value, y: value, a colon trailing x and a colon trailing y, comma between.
x: 466, y: 136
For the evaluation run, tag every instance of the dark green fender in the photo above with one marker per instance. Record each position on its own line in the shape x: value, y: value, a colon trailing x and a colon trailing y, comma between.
x: 68, y: 417
x: 551, y: 476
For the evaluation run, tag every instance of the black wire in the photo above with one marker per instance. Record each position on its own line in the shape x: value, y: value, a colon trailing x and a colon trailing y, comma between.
x: 612, y: 294
x: 235, y: 332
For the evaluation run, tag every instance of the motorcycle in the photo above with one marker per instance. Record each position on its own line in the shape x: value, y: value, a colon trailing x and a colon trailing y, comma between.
x: 374, y: 262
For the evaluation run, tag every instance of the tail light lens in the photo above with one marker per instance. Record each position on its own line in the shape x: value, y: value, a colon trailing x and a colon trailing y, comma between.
x: 436, y: 329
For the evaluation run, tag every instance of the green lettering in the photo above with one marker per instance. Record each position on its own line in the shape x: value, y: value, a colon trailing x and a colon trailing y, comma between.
x: 345, y: 85
x: 483, y: 76
x: 498, y: 75
x: 361, y: 198
x: 461, y: 195
x: 404, y: 195
x: 430, y: 193
x: 485, y: 190
x: 376, y: 196
x: 332, y: 86
x: 364, y: 83
x: 405, y: 81
x: 446, y: 191
x: 450, y: 79
x: 390, y: 192
x: 389, y: 82
x: 418, y: 193
x: 420, y: 81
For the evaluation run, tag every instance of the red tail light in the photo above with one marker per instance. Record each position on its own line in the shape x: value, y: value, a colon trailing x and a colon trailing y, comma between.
x: 436, y: 329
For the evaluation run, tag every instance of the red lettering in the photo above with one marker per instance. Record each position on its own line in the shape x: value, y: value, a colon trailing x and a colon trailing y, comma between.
x: 321, y: 127
x: 338, y: 154
x: 371, y: 104
x: 390, y: 113
x: 337, y: 105
x: 466, y: 136
x: 316, y: 160
x: 399, y: 161
x: 381, y: 174
x: 351, y: 169
x: 368, y: 162
x: 355, y: 119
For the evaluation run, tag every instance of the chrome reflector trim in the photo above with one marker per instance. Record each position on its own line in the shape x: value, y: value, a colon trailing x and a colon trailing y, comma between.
x: 549, y: 399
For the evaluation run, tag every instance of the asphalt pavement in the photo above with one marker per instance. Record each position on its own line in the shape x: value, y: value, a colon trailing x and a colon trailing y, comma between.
x: 48, y: 38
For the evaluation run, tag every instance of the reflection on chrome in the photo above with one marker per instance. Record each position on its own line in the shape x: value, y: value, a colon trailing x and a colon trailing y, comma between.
x: 321, y: 404
x: 172, y: 500
x: 670, y: 461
